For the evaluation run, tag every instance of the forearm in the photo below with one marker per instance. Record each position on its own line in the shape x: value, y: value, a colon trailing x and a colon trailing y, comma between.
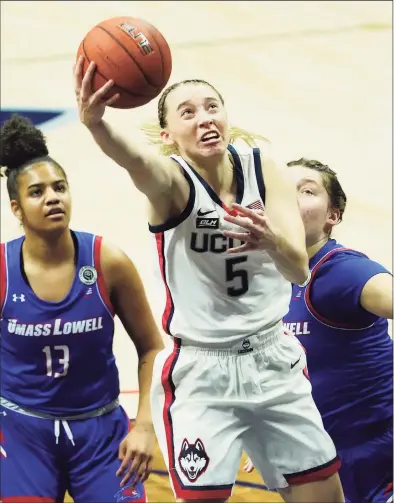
x: 148, y: 171
x: 145, y: 369
x: 291, y: 262
x: 116, y: 147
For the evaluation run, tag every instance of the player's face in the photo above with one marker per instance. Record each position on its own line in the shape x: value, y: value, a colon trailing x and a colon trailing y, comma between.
x: 197, y: 122
x: 45, y: 202
x: 314, y: 203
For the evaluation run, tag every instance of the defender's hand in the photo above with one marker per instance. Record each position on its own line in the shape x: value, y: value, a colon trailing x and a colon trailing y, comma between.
x: 136, y: 453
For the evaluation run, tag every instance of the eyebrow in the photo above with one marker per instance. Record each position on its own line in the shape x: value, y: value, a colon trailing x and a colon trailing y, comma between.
x: 210, y: 98
x: 307, y: 180
x: 41, y: 184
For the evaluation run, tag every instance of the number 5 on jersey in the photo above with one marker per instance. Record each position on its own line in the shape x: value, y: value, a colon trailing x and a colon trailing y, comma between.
x: 62, y: 359
x: 237, y: 276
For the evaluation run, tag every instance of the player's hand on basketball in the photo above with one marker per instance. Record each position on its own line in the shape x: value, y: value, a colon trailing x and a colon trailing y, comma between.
x: 91, y: 105
x: 259, y: 233
x: 248, y: 466
x: 136, y: 453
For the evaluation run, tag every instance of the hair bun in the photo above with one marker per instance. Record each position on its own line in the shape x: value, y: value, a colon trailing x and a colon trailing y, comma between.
x: 20, y: 142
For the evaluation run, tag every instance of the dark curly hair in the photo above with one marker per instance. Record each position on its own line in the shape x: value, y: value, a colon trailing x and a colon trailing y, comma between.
x: 21, y: 144
x: 330, y: 181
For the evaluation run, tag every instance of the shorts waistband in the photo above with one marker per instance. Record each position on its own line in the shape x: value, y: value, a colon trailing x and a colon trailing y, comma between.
x: 252, y: 343
x: 101, y: 411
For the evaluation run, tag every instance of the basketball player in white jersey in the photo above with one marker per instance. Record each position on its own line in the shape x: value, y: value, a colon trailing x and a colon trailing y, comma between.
x: 232, y: 379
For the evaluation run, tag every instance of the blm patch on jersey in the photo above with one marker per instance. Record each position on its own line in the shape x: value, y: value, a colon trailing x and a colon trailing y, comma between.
x: 207, y: 223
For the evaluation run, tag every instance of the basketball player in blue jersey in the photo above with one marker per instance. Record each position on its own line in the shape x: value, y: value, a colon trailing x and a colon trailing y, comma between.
x: 62, y: 428
x: 340, y: 318
x: 232, y: 378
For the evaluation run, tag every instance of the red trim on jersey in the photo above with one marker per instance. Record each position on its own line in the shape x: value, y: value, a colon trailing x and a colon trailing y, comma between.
x: 169, y: 398
x: 388, y: 490
x: 3, y: 453
x: 100, y: 278
x: 318, y: 316
x: 3, y: 275
x: 233, y: 213
x: 321, y: 472
x: 169, y: 308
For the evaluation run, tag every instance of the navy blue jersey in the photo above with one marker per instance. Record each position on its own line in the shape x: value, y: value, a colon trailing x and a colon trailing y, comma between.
x: 56, y: 357
x: 349, y: 350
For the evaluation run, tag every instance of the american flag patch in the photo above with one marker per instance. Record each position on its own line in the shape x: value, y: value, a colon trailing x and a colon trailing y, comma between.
x: 256, y: 205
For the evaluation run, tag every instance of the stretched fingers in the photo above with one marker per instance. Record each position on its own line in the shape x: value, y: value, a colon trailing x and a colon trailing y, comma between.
x: 255, y: 215
x: 242, y: 236
x: 239, y: 249
x: 78, y: 75
x: 86, y: 86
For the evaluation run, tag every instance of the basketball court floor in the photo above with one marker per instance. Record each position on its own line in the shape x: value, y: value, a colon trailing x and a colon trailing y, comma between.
x: 313, y: 77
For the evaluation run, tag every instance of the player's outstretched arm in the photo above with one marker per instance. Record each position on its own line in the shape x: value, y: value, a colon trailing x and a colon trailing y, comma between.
x: 281, y: 207
x: 131, y: 305
x: 129, y: 300
x: 377, y: 295
x: 153, y: 175
x: 279, y: 228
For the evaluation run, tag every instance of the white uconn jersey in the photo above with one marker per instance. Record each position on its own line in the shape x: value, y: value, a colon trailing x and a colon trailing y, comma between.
x: 212, y: 298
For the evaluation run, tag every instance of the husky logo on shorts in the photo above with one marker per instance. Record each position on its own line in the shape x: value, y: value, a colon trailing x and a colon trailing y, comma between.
x: 88, y: 275
x: 193, y: 459
x: 246, y: 347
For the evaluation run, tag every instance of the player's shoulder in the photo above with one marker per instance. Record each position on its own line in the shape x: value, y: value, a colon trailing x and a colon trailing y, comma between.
x: 347, y: 263
x: 338, y: 258
x: 113, y: 258
x: 83, y: 235
x: 343, y: 254
x: 246, y: 151
x: 12, y: 242
x: 246, y: 156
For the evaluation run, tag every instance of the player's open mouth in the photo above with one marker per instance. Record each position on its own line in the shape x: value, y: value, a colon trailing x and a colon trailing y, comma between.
x: 55, y: 214
x: 211, y: 137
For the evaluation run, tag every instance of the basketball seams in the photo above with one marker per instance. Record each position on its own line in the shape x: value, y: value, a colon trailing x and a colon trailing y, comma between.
x: 161, y: 54
x: 129, y: 54
x: 106, y: 78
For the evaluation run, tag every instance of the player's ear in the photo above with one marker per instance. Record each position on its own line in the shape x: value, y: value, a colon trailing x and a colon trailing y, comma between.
x: 166, y: 138
x: 16, y: 209
x: 333, y: 216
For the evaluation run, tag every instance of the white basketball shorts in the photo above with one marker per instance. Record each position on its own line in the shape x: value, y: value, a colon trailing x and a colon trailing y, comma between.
x: 209, y: 405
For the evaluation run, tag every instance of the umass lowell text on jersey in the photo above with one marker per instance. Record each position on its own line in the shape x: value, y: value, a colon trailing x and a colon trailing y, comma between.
x: 63, y: 349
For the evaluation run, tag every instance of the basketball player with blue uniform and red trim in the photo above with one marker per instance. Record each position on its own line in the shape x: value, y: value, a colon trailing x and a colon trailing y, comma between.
x: 340, y: 318
x: 62, y: 428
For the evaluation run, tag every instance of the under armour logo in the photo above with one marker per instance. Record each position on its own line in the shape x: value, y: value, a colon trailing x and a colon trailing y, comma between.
x: 16, y: 297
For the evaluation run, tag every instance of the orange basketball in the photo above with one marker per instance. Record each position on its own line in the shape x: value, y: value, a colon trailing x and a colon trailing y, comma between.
x: 131, y: 52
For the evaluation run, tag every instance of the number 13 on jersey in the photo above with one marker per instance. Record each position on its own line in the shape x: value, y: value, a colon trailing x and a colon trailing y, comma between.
x: 61, y: 355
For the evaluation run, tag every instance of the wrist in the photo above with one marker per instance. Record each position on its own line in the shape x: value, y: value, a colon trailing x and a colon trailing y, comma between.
x: 143, y: 423
x: 94, y: 126
x: 277, y: 245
